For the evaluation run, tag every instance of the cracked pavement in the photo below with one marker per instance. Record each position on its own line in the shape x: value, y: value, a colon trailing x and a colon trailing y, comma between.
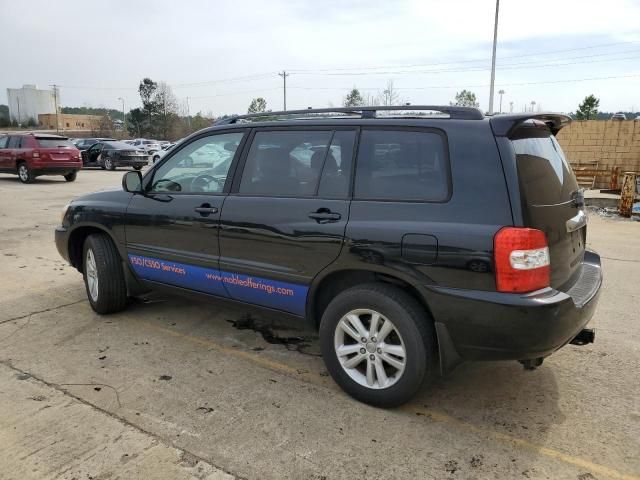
x: 170, y: 388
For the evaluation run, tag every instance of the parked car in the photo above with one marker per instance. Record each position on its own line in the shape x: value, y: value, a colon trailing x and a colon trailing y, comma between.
x: 412, y: 243
x: 85, y: 143
x: 149, y: 146
x: 110, y: 155
x: 618, y: 116
x: 162, y: 152
x: 30, y: 155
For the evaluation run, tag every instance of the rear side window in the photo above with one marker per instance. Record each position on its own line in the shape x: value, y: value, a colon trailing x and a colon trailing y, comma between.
x: 402, y: 165
x: 14, y: 142
x: 54, y: 143
x: 285, y: 163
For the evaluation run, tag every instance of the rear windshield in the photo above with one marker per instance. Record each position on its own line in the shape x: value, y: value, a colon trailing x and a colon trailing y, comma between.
x: 545, y: 176
x: 54, y: 143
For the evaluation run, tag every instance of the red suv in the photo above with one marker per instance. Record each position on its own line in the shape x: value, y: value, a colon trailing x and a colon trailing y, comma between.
x: 30, y: 155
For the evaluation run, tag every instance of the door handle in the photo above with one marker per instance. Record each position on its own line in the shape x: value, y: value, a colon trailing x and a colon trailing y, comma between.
x: 324, y: 215
x: 206, y: 209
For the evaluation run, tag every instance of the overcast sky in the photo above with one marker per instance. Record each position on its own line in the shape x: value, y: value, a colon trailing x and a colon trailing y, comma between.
x: 221, y: 54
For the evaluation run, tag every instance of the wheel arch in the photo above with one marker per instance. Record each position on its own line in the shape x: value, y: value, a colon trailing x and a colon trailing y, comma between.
x: 325, y: 287
x: 76, y: 240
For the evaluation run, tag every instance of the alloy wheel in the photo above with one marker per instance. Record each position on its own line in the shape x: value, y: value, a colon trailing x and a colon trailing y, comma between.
x: 370, y: 348
x: 92, y: 275
x: 23, y: 172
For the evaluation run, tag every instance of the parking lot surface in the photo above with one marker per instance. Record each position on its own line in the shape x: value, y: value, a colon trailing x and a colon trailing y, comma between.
x: 171, y: 388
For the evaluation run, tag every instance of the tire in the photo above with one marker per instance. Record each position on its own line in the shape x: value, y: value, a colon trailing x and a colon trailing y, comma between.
x: 71, y: 177
x: 109, y: 295
x: 108, y: 164
x: 413, y: 333
x: 137, y: 167
x: 156, y: 158
x: 25, y: 174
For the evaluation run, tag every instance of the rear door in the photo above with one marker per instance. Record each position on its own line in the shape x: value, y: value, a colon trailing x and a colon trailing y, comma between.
x: 285, y: 218
x: 550, y: 198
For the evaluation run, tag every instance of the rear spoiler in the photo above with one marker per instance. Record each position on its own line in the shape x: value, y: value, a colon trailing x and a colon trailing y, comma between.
x: 504, y: 125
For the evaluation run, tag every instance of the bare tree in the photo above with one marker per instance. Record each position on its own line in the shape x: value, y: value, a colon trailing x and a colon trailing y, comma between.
x: 389, y: 95
x: 167, y: 104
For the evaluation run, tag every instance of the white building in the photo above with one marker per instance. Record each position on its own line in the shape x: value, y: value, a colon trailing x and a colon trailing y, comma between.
x: 28, y: 102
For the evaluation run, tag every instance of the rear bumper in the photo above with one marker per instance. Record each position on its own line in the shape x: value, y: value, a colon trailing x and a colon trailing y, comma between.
x: 56, y: 170
x: 126, y: 162
x: 500, y: 326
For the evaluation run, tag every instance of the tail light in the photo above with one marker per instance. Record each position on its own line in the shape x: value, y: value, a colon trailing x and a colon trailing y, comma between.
x: 522, y: 260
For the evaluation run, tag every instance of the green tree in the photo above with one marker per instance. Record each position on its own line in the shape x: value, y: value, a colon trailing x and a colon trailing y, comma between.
x: 588, y: 109
x: 258, y: 105
x: 147, y: 89
x: 465, y: 98
x: 353, y: 99
x: 136, y: 120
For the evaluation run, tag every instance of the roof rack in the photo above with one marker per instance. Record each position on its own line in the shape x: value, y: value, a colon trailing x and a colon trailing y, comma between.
x: 458, y: 113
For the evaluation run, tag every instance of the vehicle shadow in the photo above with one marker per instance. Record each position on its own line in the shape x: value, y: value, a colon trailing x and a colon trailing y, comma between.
x: 15, y: 179
x: 498, y: 396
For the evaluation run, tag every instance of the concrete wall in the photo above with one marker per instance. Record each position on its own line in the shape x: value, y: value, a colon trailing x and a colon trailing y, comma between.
x: 28, y: 102
x: 609, y: 142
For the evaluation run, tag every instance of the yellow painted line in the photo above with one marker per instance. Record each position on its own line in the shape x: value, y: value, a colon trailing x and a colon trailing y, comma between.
x: 316, y: 379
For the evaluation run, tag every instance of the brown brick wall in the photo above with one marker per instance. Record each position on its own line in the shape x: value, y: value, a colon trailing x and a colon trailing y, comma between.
x: 610, y: 143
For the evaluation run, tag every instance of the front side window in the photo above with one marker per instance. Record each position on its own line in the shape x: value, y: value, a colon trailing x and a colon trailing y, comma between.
x: 285, y: 163
x: 201, y: 166
x: 3, y: 142
x: 402, y: 165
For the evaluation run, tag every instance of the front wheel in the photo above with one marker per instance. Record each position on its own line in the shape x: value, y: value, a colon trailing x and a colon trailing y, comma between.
x: 156, y: 158
x: 378, y: 344
x: 71, y: 177
x: 103, y: 275
x: 137, y: 167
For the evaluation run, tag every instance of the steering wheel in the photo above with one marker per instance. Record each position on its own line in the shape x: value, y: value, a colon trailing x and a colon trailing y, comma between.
x: 200, y: 183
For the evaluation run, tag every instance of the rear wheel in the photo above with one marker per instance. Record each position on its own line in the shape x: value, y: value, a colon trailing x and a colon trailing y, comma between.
x: 103, y: 275
x: 108, y: 164
x: 25, y: 174
x: 71, y: 177
x: 378, y: 344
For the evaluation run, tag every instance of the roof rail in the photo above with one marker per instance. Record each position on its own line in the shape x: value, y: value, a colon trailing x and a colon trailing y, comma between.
x: 459, y: 113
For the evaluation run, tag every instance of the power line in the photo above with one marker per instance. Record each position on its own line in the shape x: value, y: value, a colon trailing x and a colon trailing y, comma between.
x: 454, y: 62
x: 423, y: 87
x: 514, y: 66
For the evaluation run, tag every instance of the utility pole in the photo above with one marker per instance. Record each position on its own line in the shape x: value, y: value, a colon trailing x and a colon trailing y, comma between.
x: 533, y: 104
x: 501, y: 92
x: 510, y: 107
x: 124, y: 117
x: 284, y: 76
x: 188, y: 115
x: 55, y: 101
x: 19, y: 116
x: 493, y: 58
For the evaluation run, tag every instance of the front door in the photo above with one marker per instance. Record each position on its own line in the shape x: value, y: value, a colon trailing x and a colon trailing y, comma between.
x: 91, y: 155
x: 285, y: 218
x: 172, y: 230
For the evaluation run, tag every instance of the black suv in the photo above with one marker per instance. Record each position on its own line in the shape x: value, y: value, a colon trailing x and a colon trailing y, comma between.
x: 412, y: 241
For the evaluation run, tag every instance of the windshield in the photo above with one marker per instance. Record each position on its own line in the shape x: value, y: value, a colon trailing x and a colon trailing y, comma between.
x: 55, y: 143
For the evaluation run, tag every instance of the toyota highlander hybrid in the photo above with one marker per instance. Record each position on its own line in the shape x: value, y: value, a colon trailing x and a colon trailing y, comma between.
x: 413, y: 241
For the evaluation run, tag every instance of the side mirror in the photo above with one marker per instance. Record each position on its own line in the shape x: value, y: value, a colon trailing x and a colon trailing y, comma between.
x: 132, y: 182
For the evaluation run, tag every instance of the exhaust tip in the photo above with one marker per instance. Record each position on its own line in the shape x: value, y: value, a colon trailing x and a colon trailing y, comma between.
x: 586, y: 335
